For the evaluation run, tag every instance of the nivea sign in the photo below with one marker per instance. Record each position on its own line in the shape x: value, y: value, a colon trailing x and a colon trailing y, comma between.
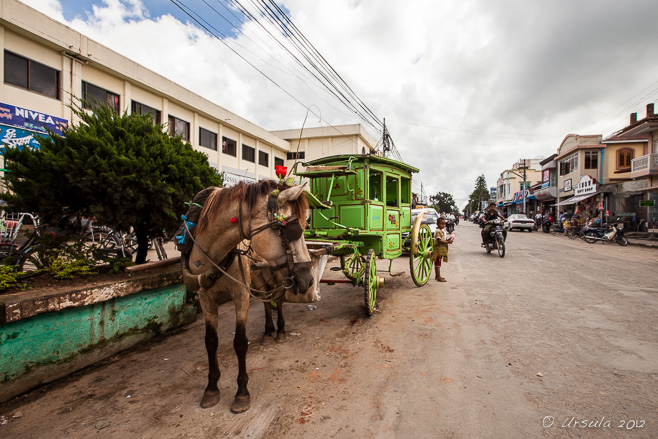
x: 30, y: 120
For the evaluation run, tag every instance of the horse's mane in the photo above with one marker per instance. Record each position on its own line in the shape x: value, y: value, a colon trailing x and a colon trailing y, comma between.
x: 221, y: 198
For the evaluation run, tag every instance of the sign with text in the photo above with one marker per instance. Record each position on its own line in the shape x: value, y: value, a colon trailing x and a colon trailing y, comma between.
x: 30, y: 120
x: 233, y: 179
x: 647, y: 203
x: 586, y: 186
x: 567, y: 185
x: 547, y: 175
x: 11, y: 137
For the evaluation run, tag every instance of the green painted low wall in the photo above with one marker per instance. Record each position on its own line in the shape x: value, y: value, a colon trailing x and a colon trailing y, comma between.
x: 50, y: 345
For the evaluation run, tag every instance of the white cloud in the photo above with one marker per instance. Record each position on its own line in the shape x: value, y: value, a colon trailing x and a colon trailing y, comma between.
x: 467, y: 87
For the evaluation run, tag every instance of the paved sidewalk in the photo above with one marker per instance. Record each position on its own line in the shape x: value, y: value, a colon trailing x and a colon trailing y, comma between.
x: 649, y: 243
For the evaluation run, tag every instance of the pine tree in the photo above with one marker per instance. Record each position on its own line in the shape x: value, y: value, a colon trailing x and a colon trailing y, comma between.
x: 479, y: 194
x: 121, y: 170
x: 444, y: 202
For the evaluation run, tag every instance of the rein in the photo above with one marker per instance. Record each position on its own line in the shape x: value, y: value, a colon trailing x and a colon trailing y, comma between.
x: 278, y: 224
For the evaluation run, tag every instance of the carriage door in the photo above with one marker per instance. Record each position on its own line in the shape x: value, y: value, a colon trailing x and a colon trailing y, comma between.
x: 392, y: 215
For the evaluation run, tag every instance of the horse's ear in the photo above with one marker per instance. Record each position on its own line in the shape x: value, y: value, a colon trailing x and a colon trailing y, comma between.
x: 292, y: 194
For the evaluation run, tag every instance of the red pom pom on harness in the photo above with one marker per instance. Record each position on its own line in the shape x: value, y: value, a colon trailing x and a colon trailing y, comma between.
x: 234, y: 220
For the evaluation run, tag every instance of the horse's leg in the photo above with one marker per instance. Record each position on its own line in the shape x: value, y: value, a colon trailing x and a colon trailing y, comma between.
x: 280, y: 322
x: 209, y: 306
x: 240, y: 343
x: 269, y: 324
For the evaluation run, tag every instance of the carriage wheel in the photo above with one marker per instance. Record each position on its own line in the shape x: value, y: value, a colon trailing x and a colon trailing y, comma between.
x: 353, y: 266
x: 420, y: 263
x: 371, y: 282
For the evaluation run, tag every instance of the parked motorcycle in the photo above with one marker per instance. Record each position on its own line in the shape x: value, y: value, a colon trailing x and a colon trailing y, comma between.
x: 612, y: 234
x: 496, y: 238
x: 546, y: 225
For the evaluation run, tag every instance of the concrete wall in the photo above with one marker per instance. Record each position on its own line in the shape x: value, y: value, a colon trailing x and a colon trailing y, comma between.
x: 47, y: 335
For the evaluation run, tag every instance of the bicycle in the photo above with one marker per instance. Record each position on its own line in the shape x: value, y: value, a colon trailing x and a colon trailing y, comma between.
x: 23, y: 257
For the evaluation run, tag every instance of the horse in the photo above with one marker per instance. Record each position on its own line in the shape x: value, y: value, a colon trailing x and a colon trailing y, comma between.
x: 266, y: 279
x: 271, y: 216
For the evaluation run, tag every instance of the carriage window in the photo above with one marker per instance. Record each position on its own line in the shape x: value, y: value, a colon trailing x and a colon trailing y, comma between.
x: 375, y: 185
x: 405, y: 190
x: 392, y: 191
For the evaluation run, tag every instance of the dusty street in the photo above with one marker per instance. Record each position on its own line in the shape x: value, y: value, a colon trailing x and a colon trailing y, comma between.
x: 557, y: 339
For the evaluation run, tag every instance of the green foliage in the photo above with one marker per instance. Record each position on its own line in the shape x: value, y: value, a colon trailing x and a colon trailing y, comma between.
x: 480, y: 193
x: 8, y: 277
x: 117, y: 264
x: 63, y: 269
x: 121, y: 170
x: 444, y: 202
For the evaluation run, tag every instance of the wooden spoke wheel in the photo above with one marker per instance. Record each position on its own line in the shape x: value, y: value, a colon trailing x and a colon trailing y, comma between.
x: 420, y: 262
x: 353, y: 266
x: 370, y: 282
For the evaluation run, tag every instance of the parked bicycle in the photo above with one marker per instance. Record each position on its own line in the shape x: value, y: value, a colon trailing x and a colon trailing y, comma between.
x: 24, y: 256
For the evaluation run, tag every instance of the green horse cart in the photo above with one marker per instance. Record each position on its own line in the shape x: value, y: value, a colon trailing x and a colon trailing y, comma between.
x: 361, y: 211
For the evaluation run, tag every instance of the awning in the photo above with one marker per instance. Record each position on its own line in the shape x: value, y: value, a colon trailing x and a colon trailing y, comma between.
x: 499, y: 205
x: 574, y: 200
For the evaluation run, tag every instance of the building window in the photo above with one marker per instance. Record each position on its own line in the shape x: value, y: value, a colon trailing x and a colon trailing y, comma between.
x: 278, y: 162
x: 229, y: 146
x: 624, y: 158
x: 248, y: 153
x: 263, y: 158
x: 591, y: 160
x: 207, y: 139
x: 141, y: 109
x: 93, y: 94
x: 569, y: 165
x: 31, y: 75
x: 296, y: 155
x: 178, y: 127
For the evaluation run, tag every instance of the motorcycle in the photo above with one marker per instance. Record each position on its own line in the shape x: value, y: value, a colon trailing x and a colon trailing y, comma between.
x: 546, y: 225
x: 496, y: 238
x: 457, y: 220
x: 450, y: 226
x: 612, y: 234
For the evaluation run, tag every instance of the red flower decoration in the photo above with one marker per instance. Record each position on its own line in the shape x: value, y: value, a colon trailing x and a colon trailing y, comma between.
x: 281, y: 171
x: 234, y: 220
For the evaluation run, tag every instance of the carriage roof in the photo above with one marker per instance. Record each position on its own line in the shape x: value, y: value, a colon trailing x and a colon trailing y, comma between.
x: 348, y: 163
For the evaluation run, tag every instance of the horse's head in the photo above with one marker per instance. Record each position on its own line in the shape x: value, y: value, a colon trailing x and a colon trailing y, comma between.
x: 282, y: 244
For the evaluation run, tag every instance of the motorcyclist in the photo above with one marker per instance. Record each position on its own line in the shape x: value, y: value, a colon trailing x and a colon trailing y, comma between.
x: 490, y: 215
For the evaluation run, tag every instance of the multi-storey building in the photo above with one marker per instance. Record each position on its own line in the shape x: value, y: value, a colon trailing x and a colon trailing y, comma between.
x: 47, y: 66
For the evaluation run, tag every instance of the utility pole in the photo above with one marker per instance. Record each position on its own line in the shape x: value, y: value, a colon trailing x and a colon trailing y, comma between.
x: 524, y: 177
x: 386, y: 140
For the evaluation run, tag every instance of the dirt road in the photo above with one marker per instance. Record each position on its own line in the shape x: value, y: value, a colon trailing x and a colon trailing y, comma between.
x: 531, y: 345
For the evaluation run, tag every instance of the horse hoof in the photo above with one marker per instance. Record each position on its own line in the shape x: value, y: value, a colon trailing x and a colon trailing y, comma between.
x: 240, y: 404
x: 267, y: 340
x: 281, y: 337
x: 210, y: 398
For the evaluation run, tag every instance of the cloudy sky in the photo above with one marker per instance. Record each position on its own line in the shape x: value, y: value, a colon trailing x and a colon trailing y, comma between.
x: 467, y: 87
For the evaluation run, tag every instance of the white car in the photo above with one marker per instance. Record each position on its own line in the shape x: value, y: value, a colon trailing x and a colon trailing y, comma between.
x: 519, y: 221
x: 431, y: 217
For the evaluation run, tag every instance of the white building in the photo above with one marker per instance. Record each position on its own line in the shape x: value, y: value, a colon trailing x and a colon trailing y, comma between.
x: 46, y: 64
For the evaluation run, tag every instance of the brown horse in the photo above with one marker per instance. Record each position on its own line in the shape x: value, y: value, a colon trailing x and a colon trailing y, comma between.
x: 271, y: 217
x: 267, y: 280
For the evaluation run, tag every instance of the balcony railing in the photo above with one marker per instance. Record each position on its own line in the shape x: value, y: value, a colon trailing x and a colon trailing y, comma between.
x: 644, y: 166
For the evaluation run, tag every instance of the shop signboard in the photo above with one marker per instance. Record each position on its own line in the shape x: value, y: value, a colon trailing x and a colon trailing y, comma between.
x: 547, y: 175
x: 586, y: 186
x: 11, y: 137
x: 233, y: 179
x: 30, y: 120
x: 567, y: 185
x: 647, y: 203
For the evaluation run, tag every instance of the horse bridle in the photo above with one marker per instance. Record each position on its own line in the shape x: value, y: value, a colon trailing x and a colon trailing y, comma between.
x: 288, y: 228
